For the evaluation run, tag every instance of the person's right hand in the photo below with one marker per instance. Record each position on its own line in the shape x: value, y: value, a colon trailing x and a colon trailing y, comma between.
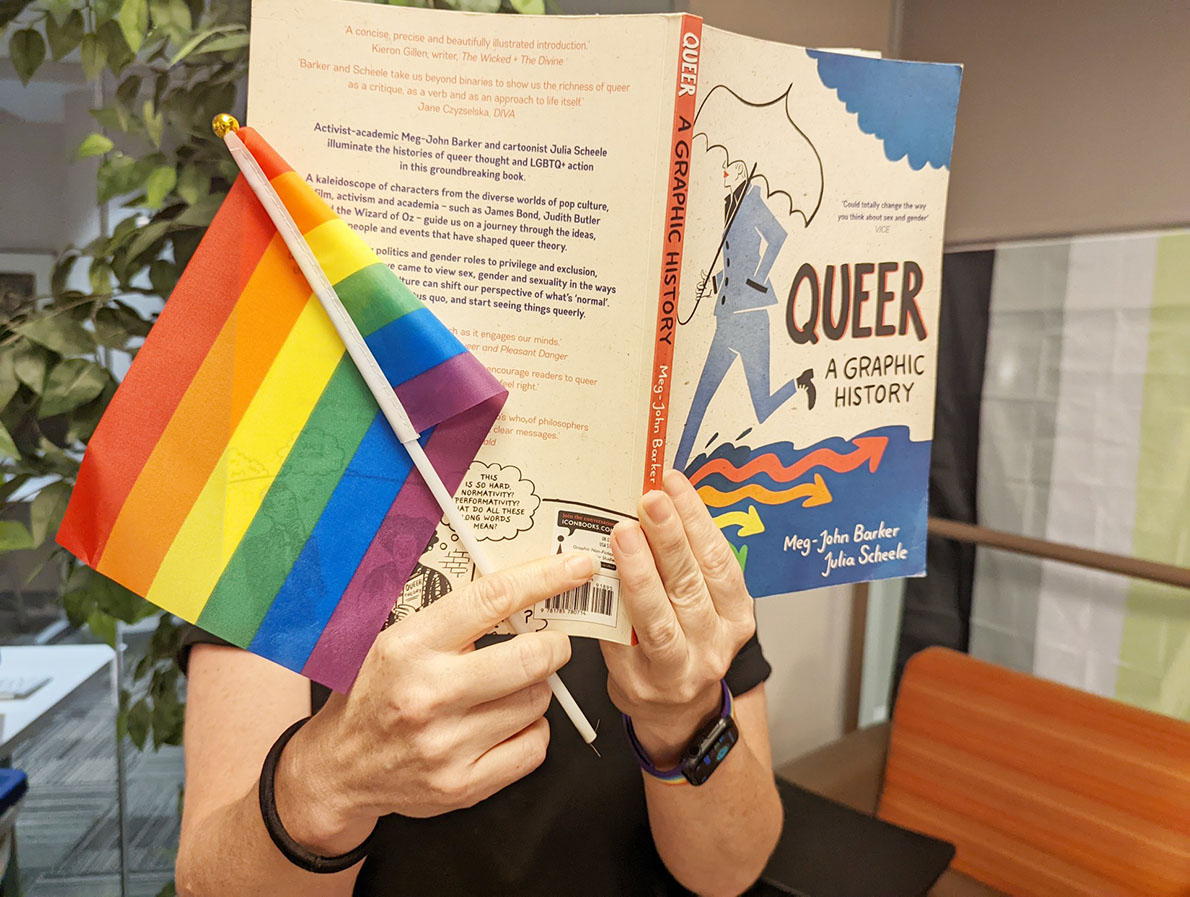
x: 431, y: 724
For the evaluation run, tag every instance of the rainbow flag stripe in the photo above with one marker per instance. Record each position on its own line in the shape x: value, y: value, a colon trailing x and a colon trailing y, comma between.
x: 243, y: 476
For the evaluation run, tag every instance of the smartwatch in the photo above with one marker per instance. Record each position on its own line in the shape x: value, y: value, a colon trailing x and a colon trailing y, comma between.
x: 710, y: 745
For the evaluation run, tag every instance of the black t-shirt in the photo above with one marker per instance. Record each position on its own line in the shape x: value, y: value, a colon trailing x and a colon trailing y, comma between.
x: 577, y: 825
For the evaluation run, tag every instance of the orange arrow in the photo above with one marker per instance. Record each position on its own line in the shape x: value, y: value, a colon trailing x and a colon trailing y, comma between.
x: 867, y: 448
x: 815, y: 494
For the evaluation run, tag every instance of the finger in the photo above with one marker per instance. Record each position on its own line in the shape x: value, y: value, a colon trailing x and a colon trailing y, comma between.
x: 496, y: 721
x: 677, y: 565
x: 720, y: 570
x: 510, y: 760
x: 657, y: 629
x: 459, y: 618
x: 506, y: 667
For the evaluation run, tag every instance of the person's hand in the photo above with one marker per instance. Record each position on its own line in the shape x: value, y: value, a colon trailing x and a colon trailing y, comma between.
x: 685, y: 594
x: 432, y: 724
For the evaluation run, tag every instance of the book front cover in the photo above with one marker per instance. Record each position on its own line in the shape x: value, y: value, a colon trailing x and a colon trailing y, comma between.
x: 802, y: 399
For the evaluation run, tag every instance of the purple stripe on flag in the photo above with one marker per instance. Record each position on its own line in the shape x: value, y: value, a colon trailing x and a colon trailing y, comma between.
x: 447, y: 389
x: 389, y: 560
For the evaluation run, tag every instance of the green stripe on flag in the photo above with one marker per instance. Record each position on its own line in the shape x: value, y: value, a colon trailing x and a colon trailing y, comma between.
x: 374, y: 297
x: 1155, y: 650
x: 291, y: 508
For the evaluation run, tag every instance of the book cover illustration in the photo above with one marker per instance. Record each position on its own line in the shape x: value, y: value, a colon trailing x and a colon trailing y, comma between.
x: 804, y: 348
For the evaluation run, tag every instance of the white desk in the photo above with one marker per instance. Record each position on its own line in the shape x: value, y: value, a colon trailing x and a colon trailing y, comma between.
x: 68, y: 666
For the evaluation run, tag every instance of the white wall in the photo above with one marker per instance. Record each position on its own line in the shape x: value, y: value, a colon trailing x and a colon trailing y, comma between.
x: 805, y: 638
x: 47, y: 200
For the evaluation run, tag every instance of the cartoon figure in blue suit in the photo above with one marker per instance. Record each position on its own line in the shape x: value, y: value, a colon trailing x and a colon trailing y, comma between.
x: 742, y: 292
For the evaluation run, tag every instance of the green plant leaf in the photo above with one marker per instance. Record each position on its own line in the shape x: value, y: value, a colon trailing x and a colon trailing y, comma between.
x: 136, y: 722
x: 14, y: 536
x: 163, y: 275
x: 476, y: 5
x: 146, y: 237
x: 61, y: 272
x: 100, y: 276
x: 227, y: 42
x: 94, y: 55
x: 59, y: 10
x: 71, y: 383
x: 133, y: 19
x: 104, y: 10
x: 116, y: 49
x: 187, y: 48
x: 8, y: 448
x: 27, y: 51
x: 529, y: 7
x: 173, y: 17
x: 9, y: 382
x: 46, y: 510
x: 66, y: 35
x: 86, y: 418
x: 29, y: 364
x: 161, y: 180
x: 54, y: 460
x: 94, y: 145
x: 154, y: 122
x: 102, y: 627
x: 58, y: 332
x: 192, y: 184
x: 114, y: 326
x: 201, y: 213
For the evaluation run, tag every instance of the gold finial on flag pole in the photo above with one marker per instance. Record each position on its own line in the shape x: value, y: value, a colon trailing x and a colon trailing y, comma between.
x: 224, y: 122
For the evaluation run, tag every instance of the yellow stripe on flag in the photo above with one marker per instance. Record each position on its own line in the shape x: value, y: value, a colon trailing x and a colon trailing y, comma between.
x: 237, y: 486
x: 339, y: 250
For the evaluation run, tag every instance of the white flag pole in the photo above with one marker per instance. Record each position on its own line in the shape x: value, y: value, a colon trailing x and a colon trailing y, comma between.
x: 225, y: 126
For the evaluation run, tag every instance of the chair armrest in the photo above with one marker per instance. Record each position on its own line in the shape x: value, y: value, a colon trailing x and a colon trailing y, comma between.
x: 849, y: 770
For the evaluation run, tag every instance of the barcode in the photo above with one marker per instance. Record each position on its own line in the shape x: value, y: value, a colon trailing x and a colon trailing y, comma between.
x: 589, y: 598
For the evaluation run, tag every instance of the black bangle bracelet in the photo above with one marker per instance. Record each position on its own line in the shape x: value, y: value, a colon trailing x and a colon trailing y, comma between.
x: 291, y: 850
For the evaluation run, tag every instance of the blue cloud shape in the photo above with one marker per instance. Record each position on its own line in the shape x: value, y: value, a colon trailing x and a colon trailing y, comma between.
x: 909, y: 106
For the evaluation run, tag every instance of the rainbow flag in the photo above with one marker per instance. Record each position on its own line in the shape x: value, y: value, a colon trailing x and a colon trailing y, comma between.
x: 243, y: 476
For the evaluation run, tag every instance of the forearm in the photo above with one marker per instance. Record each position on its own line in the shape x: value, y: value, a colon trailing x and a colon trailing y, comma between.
x: 229, y: 853
x: 715, y: 839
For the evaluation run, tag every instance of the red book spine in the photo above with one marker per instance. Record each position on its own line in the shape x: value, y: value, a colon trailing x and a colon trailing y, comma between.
x: 673, y: 236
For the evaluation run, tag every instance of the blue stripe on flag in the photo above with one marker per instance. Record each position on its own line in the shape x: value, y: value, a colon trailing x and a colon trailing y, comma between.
x: 433, y: 344
x: 329, y: 558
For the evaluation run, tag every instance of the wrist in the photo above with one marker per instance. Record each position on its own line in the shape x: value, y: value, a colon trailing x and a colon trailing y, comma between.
x: 664, y: 735
x: 313, y: 802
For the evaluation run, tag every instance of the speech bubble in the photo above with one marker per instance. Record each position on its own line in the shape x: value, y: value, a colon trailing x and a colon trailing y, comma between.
x: 497, y: 500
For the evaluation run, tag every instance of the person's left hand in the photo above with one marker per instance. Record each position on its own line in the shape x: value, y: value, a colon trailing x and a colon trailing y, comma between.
x: 684, y: 591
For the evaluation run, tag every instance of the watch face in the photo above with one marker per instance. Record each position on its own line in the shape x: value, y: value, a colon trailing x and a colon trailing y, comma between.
x: 709, y: 749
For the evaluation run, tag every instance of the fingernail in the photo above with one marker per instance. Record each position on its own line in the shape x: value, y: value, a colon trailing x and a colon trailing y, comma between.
x: 582, y: 565
x: 628, y: 537
x: 657, y: 506
x: 672, y: 481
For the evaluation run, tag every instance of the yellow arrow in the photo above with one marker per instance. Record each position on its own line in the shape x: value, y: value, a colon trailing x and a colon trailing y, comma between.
x: 748, y: 521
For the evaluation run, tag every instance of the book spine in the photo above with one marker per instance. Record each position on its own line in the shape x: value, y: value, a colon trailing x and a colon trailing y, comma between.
x: 673, y: 233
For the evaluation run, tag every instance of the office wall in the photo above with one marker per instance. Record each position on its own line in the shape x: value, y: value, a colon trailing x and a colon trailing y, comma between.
x: 1074, y: 117
x: 863, y: 24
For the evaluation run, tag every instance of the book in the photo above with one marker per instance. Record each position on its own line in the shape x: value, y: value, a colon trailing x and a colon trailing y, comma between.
x: 675, y: 245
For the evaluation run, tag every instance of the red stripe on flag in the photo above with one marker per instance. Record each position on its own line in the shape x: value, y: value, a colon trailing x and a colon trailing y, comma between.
x: 185, y: 332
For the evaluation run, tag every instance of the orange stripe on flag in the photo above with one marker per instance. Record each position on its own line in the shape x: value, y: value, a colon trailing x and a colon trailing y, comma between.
x: 307, y: 207
x: 208, y: 414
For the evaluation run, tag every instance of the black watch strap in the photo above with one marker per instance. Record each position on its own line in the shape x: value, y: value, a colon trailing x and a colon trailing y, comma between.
x: 292, y: 851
